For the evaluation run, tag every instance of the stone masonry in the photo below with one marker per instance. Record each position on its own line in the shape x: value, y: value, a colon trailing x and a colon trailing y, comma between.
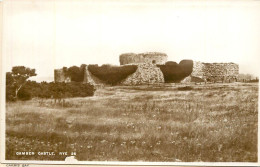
x: 149, y: 57
x: 59, y: 76
x: 146, y: 73
x: 225, y: 72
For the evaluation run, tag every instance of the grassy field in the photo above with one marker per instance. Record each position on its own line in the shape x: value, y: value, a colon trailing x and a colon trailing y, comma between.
x: 184, y: 123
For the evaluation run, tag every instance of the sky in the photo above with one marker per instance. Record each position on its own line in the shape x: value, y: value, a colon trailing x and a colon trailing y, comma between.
x: 49, y: 34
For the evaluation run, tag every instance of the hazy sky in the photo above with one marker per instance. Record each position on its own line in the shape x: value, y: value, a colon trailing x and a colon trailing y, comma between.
x: 48, y: 34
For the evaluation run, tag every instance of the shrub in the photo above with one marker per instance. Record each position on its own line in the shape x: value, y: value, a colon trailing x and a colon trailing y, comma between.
x: 32, y: 89
x: 10, y: 93
x: 24, y: 94
x: 73, y: 89
x: 171, y: 63
x: 186, y: 66
x: 76, y: 73
x: 174, y: 72
x: 10, y: 90
x: 112, y: 74
x: 52, y: 90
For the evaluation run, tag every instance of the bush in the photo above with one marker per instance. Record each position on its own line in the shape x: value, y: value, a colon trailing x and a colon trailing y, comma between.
x: 24, y: 94
x: 51, y: 90
x: 10, y: 96
x: 10, y: 90
x: 186, y: 66
x: 171, y: 63
x: 79, y: 90
x: 112, y: 74
x: 75, y: 73
x: 64, y: 90
x: 174, y: 72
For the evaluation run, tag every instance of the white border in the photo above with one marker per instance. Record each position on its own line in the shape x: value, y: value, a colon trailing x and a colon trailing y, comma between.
x: 136, y: 163
x: 2, y: 98
x: 2, y: 131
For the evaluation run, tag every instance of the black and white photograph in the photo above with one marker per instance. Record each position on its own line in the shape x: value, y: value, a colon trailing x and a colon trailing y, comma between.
x: 130, y: 82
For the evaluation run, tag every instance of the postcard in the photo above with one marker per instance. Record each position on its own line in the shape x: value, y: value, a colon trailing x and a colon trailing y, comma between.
x: 130, y: 82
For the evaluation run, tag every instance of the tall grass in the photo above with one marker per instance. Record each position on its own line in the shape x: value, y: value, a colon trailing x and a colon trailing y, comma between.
x: 214, y: 123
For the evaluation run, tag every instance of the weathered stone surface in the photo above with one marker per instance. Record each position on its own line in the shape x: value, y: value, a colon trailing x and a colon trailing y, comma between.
x: 59, y: 76
x: 225, y: 72
x: 149, y: 57
x: 149, y: 73
x: 146, y: 73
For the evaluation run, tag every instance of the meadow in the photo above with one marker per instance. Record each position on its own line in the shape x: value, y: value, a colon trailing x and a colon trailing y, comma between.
x: 168, y: 122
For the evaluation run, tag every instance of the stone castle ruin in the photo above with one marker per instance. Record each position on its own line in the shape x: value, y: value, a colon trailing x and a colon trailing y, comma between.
x: 225, y: 72
x: 150, y: 57
x: 150, y: 68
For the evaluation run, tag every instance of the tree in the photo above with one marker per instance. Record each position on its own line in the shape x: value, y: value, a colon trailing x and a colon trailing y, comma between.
x: 9, y: 87
x: 19, y: 76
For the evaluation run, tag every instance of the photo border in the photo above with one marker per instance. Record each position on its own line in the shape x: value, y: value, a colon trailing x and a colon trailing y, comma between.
x: 106, y: 163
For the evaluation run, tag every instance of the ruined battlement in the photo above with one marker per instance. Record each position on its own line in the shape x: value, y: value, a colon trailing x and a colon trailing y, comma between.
x: 151, y: 68
x: 60, y: 76
x: 149, y: 57
x: 226, y: 72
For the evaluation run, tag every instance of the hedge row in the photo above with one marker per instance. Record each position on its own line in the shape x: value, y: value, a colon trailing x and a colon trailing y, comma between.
x: 112, y: 74
x: 174, y: 72
x: 50, y: 90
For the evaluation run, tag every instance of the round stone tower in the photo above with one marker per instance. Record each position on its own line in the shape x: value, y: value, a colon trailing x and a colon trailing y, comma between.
x: 149, y: 57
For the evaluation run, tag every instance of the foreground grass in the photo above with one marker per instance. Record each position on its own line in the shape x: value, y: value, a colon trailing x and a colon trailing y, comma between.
x: 209, y: 123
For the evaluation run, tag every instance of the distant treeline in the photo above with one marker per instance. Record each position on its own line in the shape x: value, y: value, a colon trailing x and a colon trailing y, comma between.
x: 50, y: 90
x: 247, y: 78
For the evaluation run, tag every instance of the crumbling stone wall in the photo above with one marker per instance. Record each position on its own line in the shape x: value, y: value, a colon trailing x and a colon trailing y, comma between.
x: 60, y: 76
x: 146, y: 73
x: 149, y: 57
x: 225, y: 72
x: 198, y: 69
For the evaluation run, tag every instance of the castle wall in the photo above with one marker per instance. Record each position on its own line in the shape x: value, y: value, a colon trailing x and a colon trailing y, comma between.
x: 226, y: 72
x: 150, y: 57
x: 59, y: 76
x: 198, y: 69
x: 146, y: 73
